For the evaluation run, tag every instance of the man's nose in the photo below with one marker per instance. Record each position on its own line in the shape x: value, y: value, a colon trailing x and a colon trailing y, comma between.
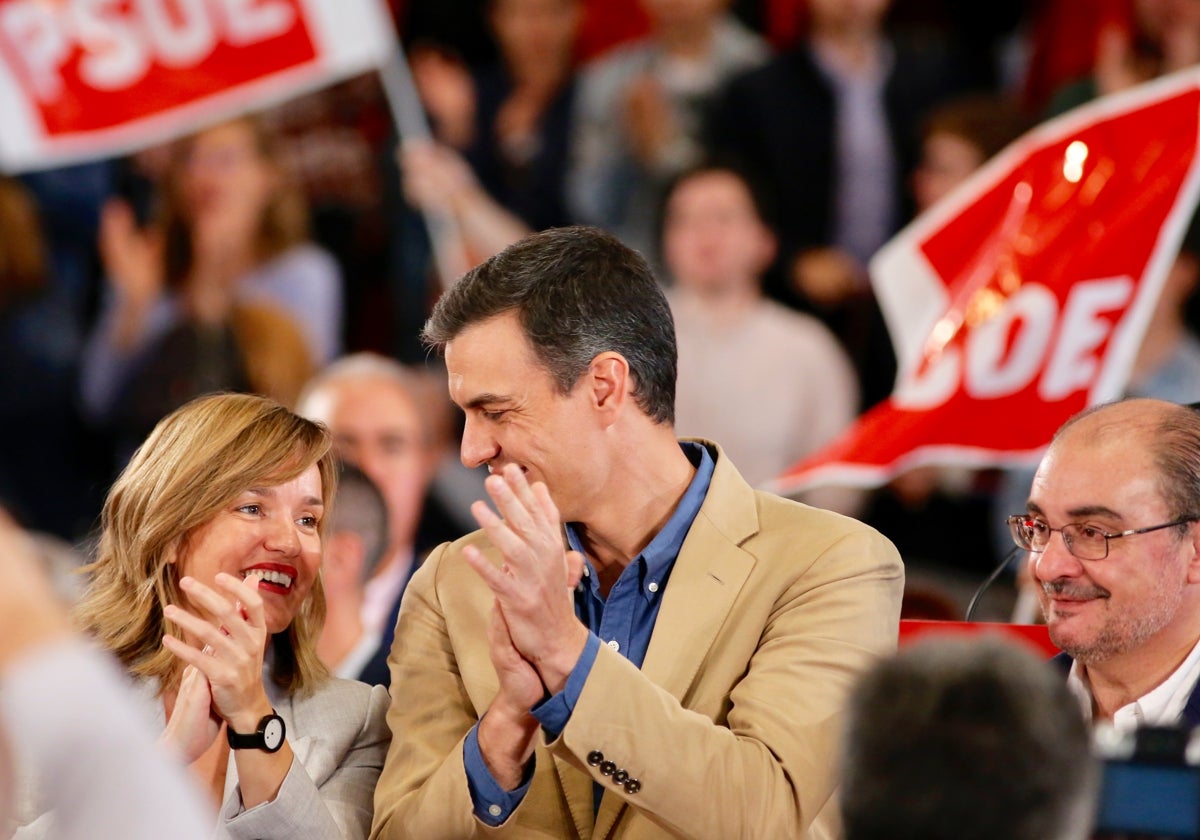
x: 478, y: 445
x: 1055, y: 561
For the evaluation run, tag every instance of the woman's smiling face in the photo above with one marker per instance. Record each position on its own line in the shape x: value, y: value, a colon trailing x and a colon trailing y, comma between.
x: 266, y: 533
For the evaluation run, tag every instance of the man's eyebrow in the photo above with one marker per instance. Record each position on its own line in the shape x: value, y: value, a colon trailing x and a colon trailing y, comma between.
x: 486, y: 398
x: 1094, y: 510
x: 1075, y: 513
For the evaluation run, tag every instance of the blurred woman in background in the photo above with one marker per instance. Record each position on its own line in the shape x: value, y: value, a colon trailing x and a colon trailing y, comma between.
x: 221, y: 291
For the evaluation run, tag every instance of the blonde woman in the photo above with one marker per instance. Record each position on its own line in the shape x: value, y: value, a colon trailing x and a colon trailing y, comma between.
x: 206, y: 588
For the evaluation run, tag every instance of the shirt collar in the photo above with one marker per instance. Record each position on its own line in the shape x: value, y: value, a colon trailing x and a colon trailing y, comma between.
x: 1162, y: 706
x: 658, y: 556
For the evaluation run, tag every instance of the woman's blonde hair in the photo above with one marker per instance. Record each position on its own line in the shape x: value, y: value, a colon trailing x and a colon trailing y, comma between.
x: 197, y: 460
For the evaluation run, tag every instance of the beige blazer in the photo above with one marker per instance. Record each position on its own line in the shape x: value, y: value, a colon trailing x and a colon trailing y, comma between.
x: 732, y: 724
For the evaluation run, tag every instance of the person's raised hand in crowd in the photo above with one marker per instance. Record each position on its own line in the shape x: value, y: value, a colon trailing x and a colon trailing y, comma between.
x: 473, y: 226
x: 447, y: 92
x: 436, y: 177
x: 1168, y: 40
x: 649, y: 121
x: 133, y: 265
x: 827, y: 276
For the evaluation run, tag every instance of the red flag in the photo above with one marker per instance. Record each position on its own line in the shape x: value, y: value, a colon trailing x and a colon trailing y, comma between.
x: 82, y: 79
x: 1022, y: 298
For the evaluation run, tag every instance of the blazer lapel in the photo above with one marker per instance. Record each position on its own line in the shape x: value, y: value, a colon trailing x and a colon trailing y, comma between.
x: 705, y: 582
x: 704, y: 585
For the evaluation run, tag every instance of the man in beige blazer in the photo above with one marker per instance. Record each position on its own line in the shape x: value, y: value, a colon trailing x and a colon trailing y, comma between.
x: 678, y: 664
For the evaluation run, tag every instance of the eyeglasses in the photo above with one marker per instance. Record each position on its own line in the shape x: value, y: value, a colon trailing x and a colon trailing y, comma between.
x: 1087, y: 542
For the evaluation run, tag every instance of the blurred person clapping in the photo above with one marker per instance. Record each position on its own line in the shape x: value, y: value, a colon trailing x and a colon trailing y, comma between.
x: 222, y: 290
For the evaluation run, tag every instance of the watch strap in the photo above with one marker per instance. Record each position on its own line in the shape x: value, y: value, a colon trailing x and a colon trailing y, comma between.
x: 257, y: 740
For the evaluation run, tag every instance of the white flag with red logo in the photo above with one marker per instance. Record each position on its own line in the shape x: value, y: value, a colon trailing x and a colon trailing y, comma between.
x: 1022, y: 298
x: 83, y: 79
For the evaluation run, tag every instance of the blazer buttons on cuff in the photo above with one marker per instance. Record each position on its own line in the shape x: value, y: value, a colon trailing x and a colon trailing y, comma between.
x: 620, y: 777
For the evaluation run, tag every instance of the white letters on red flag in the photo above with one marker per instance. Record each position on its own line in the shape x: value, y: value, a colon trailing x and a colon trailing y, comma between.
x: 88, y: 78
x: 1023, y: 296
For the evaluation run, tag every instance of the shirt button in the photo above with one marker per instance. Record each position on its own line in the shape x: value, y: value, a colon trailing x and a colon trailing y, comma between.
x: 494, y: 810
x: 615, y: 645
x: 652, y: 586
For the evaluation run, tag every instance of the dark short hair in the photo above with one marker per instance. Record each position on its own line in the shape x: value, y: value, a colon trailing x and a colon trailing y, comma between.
x: 359, y: 508
x: 955, y: 739
x: 578, y: 292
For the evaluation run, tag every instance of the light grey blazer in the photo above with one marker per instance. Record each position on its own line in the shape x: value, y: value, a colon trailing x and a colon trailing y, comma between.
x: 339, y: 736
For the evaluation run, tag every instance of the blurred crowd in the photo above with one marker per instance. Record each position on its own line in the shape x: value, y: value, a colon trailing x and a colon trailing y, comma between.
x: 757, y: 152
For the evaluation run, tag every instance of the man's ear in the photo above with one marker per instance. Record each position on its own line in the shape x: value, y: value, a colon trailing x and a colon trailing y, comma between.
x: 1193, y: 568
x: 611, y: 384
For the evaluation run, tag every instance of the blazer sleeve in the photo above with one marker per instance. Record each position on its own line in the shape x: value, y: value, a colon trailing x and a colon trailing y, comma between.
x: 330, y: 794
x: 767, y: 769
x: 423, y: 791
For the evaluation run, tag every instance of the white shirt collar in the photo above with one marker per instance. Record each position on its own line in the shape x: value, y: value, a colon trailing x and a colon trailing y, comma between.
x: 1162, y: 706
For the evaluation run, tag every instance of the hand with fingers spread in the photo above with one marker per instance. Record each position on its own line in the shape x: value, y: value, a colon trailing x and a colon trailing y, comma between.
x: 533, y: 586
x: 236, y: 635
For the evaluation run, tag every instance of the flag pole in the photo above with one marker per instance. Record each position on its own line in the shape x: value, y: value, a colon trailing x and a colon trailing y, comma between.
x: 412, y: 126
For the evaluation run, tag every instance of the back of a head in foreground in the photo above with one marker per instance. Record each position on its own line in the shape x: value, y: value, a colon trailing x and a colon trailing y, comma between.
x: 966, y: 740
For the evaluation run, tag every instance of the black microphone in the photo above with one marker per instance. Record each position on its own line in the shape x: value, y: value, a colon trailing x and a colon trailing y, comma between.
x: 983, y: 587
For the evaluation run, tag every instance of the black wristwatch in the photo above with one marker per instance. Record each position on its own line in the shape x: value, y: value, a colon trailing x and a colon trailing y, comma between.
x: 268, y: 737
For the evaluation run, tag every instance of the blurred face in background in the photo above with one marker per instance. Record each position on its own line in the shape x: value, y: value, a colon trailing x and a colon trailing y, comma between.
x: 1159, y: 20
x: 946, y: 161
x: 226, y: 175
x: 847, y: 16
x: 713, y: 238
x: 377, y: 426
x: 683, y: 13
x: 536, y: 30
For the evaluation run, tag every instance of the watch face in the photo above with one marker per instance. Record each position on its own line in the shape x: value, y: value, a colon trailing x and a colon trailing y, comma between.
x: 273, y: 734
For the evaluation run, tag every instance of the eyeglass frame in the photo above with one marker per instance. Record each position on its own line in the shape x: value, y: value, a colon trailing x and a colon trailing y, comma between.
x: 1069, y: 542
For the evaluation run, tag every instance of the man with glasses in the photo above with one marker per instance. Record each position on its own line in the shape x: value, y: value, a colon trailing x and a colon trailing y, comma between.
x: 1115, y: 555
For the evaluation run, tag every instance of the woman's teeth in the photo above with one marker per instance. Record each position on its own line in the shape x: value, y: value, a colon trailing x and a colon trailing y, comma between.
x: 277, y: 578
